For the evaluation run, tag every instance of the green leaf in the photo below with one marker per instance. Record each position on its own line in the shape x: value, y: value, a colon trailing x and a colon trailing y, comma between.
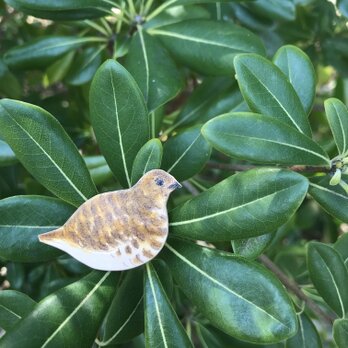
x: 43, y: 147
x: 57, y: 71
x: 69, y: 315
x: 153, y: 69
x: 101, y: 174
x: 337, y: 115
x: 341, y: 246
x: 149, y: 157
x: 295, y: 64
x: 9, y: 85
x: 43, y: 51
x: 262, y: 139
x: 14, y: 306
x: 251, y: 248
x: 244, y: 205
x: 307, y: 335
x: 7, y: 156
x: 201, y: 98
x: 177, y: 13
x: 208, y: 46
x: 119, y: 118
x: 340, y: 332
x: 333, y: 199
x: 186, y: 153
x: 85, y: 66
x: 274, y: 96
x: 329, y: 275
x: 274, y: 9
x: 125, y: 317
x: 162, y: 326
x: 22, y: 219
x: 62, y: 9
x: 237, y: 296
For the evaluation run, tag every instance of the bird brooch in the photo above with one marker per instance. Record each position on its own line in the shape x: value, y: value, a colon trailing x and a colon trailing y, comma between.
x: 118, y: 230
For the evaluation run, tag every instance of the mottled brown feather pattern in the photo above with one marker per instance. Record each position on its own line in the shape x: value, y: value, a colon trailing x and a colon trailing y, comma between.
x: 132, y: 223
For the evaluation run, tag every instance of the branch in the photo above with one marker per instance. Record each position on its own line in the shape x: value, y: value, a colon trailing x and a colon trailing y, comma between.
x: 243, y: 167
x: 294, y: 288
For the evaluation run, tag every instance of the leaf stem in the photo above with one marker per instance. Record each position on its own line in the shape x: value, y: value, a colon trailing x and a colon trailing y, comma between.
x: 292, y: 286
x: 243, y: 167
x: 160, y: 9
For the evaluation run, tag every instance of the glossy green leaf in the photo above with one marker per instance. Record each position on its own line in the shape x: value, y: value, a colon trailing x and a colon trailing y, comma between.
x: 332, y: 198
x: 268, y: 91
x: 101, y: 174
x: 340, y: 332
x: 43, y: 147
x: 9, y: 85
x: 43, y: 51
x: 85, y: 66
x: 153, y: 69
x: 186, y: 153
x: 237, y: 296
x: 201, y: 98
x: 22, y: 219
x: 251, y: 248
x: 119, y: 118
x: 262, y: 139
x: 208, y: 46
x: 162, y: 326
x: 244, y: 205
x: 78, y: 311
x: 94, y: 161
x: 177, y: 13
x: 337, y: 115
x: 57, y: 71
x: 341, y: 246
x: 62, y: 9
x: 295, y: 64
x: 279, y: 10
x: 14, y: 306
x: 7, y: 156
x: 125, y: 317
x: 149, y: 157
x: 307, y: 335
x: 329, y: 275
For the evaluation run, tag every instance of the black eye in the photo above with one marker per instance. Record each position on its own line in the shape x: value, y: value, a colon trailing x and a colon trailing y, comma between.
x: 159, y: 181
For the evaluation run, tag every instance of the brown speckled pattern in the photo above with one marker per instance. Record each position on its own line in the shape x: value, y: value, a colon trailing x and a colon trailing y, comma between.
x: 130, y: 222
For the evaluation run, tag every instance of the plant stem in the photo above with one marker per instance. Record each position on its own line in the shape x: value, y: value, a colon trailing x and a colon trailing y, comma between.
x: 244, y: 167
x: 292, y: 286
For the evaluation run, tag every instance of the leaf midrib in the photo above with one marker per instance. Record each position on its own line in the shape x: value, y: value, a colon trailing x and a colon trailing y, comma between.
x: 147, y: 70
x: 183, y: 154
x: 193, y: 39
x: 9, y: 310
x: 342, y: 129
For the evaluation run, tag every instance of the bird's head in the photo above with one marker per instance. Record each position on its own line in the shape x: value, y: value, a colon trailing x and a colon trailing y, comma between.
x: 157, y: 181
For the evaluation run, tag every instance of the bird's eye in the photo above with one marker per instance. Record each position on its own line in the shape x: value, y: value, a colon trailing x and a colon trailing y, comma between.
x: 159, y: 181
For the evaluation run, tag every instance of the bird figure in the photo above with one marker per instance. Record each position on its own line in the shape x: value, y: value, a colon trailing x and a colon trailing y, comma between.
x: 118, y: 230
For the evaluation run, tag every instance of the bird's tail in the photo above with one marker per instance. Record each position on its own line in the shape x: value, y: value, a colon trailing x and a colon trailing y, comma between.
x: 50, y: 237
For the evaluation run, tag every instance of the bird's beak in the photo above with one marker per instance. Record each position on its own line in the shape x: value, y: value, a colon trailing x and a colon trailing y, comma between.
x: 174, y: 186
